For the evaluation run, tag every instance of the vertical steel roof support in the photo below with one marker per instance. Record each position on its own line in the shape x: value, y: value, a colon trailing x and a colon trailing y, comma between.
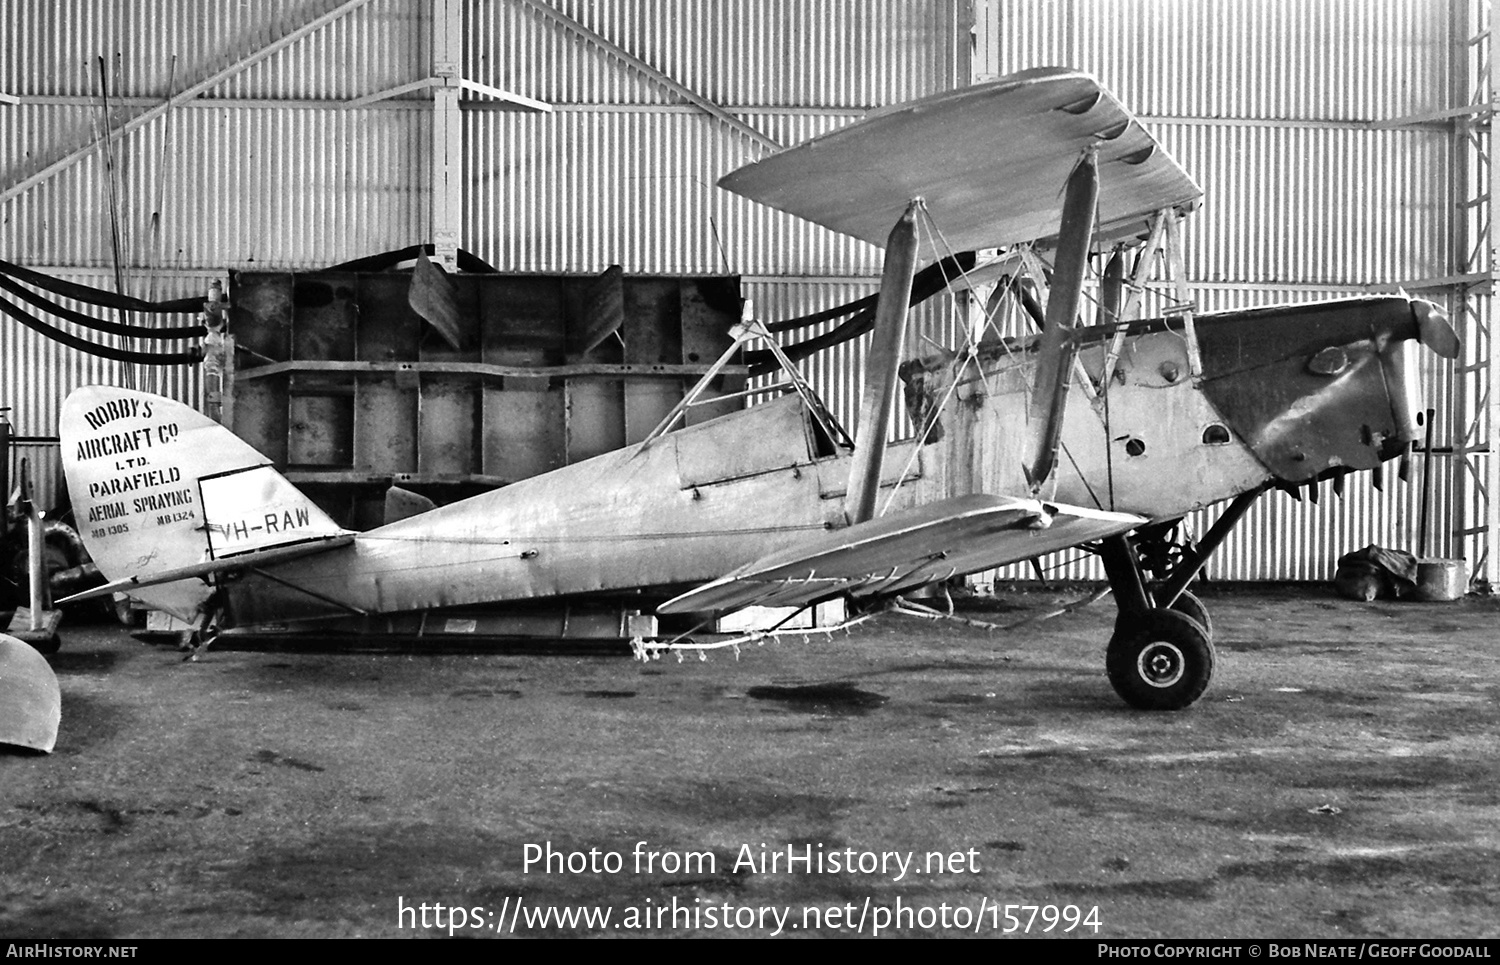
x: 656, y: 74
x: 1461, y: 305
x: 447, y: 134
x: 1474, y: 477
x: 1491, y: 571
x: 447, y: 83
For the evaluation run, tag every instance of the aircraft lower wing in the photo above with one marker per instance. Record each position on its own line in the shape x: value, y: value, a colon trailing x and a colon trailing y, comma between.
x: 889, y: 554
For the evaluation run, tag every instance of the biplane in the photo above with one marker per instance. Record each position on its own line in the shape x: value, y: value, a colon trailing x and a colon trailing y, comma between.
x: 1095, y: 432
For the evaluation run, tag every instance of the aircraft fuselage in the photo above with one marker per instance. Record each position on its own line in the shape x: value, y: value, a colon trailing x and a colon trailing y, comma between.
x: 1285, y: 395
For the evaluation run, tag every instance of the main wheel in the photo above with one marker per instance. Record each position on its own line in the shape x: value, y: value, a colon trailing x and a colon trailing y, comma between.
x: 1160, y: 660
x: 1190, y: 606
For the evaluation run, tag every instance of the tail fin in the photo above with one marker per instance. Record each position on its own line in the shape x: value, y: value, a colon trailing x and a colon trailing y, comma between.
x: 158, y: 487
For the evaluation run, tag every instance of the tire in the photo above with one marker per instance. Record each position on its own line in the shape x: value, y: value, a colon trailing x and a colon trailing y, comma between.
x: 1161, y: 660
x: 1190, y: 606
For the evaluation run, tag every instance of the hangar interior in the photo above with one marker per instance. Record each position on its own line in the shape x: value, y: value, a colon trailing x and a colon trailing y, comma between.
x: 154, y: 148
x: 551, y: 169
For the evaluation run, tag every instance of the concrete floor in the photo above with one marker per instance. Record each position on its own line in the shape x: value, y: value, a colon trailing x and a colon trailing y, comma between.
x: 1340, y: 778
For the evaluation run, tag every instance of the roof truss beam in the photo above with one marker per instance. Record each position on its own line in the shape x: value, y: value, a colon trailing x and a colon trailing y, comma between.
x: 654, y: 73
x: 193, y: 90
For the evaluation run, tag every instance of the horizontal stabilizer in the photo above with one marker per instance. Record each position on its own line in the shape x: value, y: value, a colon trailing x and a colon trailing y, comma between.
x: 243, y: 561
x: 952, y: 537
x: 990, y: 160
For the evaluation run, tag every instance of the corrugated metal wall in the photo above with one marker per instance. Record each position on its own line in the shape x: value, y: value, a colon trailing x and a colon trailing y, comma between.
x: 1274, y: 60
x: 269, y: 168
x: 1270, y: 105
x: 1278, y: 110
x: 797, y: 54
x: 623, y: 171
x: 266, y: 169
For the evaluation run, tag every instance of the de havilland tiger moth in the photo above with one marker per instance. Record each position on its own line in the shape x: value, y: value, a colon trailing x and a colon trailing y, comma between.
x: 1094, y: 433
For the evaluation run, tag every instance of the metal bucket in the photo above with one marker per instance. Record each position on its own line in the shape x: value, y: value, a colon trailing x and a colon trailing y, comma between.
x: 1441, y: 580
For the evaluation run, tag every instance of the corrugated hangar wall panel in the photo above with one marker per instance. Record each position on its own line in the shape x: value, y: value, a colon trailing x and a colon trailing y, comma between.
x: 233, y: 186
x: 37, y: 373
x: 1326, y: 60
x: 1267, y: 105
x: 1262, y: 103
x: 372, y: 46
x: 736, y: 53
x: 298, y: 184
x: 1327, y: 206
x: 314, y: 188
x: 58, y: 217
x: 623, y: 171
x: 577, y: 190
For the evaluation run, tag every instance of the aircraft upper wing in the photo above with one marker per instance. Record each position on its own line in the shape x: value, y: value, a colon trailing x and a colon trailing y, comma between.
x: 889, y: 554
x: 990, y: 160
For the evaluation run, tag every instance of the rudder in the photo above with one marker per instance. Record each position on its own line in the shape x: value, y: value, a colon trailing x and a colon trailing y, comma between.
x: 157, y: 486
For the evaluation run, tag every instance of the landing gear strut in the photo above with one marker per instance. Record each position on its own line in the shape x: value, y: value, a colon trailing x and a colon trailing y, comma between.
x: 1161, y: 548
x: 1189, y: 606
x: 1161, y: 656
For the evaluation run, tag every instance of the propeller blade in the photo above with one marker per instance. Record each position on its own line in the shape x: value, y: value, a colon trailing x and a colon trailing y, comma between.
x: 1434, y: 330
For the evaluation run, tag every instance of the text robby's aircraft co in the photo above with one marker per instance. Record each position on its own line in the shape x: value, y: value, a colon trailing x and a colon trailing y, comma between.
x: 1097, y: 434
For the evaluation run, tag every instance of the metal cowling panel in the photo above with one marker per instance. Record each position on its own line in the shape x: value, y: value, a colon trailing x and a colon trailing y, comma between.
x: 1284, y: 538
x: 1280, y: 539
